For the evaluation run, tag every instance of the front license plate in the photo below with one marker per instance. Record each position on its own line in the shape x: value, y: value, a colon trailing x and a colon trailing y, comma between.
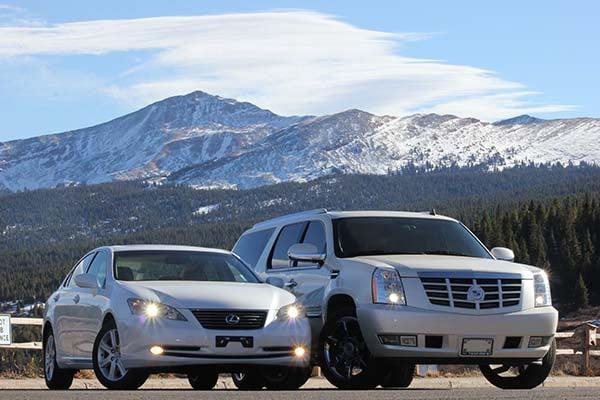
x: 477, y: 347
x: 223, y: 341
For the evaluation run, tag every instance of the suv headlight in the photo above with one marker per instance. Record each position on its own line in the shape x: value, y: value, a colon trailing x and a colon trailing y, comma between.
x: 387, y: 287
x: 152, y: 310
x: 291, y: 312
x: 542, y: 289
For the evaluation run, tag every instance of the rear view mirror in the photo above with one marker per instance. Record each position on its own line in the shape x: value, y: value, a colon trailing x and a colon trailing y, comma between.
x: 275, y: 281
x: 88, y: 281
x: 305, y: 252
x: 502, y: 253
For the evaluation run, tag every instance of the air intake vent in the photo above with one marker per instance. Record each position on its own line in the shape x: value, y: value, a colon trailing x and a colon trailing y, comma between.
x: 230, y: 319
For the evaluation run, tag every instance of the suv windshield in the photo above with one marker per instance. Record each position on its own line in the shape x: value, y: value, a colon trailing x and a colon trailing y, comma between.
x: 180, y: 266
x: 365, y: 236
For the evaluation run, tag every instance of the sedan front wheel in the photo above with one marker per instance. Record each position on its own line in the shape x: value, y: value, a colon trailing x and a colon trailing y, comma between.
x: 108, y: 364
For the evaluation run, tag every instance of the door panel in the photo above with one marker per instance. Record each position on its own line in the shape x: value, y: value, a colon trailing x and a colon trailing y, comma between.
x: 69, y: 328
x: 91, y: 308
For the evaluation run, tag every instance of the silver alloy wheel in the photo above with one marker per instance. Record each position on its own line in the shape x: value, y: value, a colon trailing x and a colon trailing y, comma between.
x: 49, y: 358
x: 345, y: 350
x: 109, y: 357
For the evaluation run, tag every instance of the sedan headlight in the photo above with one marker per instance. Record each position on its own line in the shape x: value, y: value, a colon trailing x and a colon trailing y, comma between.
x: 291, y: 312
x: 542, y: 290
x: 387, y: 287
x: 151, y: 309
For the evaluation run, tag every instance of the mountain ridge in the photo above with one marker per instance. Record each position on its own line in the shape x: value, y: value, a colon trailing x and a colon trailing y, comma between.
x: 210, y: 141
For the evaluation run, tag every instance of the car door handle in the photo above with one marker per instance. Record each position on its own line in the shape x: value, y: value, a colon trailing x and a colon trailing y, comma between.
x: 76, y: 298
x: 291, y: 284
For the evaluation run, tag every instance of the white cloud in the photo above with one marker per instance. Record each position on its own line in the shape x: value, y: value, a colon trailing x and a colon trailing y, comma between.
x: 294, y: 62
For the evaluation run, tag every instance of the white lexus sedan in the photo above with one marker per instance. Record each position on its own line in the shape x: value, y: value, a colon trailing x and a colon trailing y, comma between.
x: 129, y: 311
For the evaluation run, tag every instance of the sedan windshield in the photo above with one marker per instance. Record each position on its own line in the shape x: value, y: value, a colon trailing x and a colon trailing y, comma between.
x: 365, y: 236
x: 180, y: 266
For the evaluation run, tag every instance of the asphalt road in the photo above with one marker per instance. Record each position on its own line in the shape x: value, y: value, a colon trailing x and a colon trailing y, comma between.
x: 308, y: 394
x: 464, y: 388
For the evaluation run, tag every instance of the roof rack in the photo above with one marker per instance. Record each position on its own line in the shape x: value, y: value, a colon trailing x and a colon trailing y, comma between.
x: 284, y: 217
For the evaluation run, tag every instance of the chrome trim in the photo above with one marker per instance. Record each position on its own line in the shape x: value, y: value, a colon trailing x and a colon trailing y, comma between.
x: 469, y: 275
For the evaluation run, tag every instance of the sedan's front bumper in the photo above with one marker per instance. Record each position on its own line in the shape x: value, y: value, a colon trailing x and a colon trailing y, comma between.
x: 188, y: 343
x: 376, y: 320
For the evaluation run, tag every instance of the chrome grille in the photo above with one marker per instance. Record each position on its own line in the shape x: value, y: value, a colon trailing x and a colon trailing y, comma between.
x: 452, y: 292
x: 217, y: 319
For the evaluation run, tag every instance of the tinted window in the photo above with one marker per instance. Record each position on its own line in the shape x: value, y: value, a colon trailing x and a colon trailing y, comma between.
x: 388, y: 235
x: 80, y: 268
x: 98, y: 267
x: 251, y: 245
x: 177, y: 265
x: 315, y: 234
x: 289, y: 235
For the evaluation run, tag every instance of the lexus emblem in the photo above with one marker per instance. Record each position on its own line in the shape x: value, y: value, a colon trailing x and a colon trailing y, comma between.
x: 475, y: 293
x: 232, y: 319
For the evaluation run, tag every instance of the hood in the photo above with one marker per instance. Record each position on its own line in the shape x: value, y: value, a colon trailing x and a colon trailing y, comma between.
x: 213, y: 295
x: 409, y: 266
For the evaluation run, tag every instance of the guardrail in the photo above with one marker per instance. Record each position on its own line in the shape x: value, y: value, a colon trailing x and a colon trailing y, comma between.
x: 582, y: 340
x: 25, y: 345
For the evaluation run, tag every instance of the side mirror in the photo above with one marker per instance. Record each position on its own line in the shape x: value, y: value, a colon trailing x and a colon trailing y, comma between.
x: 305, y: 252
x: 275, y: 281
x: 88, y: 281
x: 502, y: 253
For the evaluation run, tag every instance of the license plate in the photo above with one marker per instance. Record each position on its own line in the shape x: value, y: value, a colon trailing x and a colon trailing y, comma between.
x: 245, y: 341
x: 477, y: 347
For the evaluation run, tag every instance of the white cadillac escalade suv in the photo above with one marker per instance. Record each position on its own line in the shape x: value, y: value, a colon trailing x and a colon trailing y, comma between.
x: 387, y: 290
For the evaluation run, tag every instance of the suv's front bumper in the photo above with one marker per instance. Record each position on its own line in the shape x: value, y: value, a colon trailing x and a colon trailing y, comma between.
x: 376, y: 319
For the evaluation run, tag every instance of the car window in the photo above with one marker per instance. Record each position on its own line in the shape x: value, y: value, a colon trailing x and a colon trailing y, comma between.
x: 176, y: 265
x: 251, y: 245
x: 98, y: 267
x: 289, y: 235
x: 315, y: 235
x: 80, y: 268
x: 368, y: 236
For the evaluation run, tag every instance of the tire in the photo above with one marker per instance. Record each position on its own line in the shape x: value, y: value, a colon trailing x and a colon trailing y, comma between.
x: 528, y: 376
x: 248, y: 380
x: 56, y: 378
x: 342, y: 349
x: 285, y: 378
x: 106, y: 357
x: 203, y: 378
x: 399, y: 376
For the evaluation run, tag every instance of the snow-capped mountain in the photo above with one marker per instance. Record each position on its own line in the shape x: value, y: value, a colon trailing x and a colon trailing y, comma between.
x: 155, y: 141
x: 209, y: 141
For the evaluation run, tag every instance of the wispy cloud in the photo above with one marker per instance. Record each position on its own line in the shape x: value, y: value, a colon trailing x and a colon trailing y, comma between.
x: 294, y: 62
x: 11, y: 15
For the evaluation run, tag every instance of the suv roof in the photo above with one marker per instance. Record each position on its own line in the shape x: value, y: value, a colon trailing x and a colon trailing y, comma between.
x: 339, y: 214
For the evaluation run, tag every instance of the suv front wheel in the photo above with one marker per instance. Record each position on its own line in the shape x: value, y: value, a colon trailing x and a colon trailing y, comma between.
x: 523, y: 376
x: 345, y: 359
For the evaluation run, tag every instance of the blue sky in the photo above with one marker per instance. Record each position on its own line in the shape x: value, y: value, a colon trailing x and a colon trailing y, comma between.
x: 69, y: 64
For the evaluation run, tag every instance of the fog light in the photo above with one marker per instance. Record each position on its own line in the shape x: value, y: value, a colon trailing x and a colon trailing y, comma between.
x: 299, y: 352
x: 410, y: 341
x: 399, y: 340
x: 538, y: 341
x: 156, y: 350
